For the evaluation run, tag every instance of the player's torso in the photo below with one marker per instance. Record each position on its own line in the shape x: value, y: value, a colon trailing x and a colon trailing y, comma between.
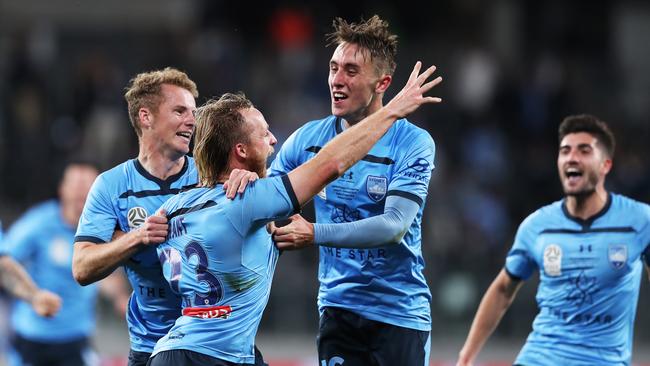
x: 221, y: 273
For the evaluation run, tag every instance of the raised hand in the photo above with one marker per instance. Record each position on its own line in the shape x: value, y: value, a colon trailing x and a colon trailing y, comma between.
x: 154, y: 229
x: 238, y: 181
x: 412, y: 94
x: 46, y: 303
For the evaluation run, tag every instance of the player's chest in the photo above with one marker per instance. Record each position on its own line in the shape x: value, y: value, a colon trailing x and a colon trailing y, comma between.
x: 365, y: 183
x: 602, y: 254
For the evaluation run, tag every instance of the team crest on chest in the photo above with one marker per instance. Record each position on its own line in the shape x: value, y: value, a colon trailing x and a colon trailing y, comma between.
x: 136, y: 216
x: 553, y: 260
x: 376, y: 187
x: 617, y: 255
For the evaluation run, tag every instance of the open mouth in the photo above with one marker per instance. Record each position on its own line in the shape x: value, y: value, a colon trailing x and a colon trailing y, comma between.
x: 185, y: 134
x: 338, y: 96
x: 573, y: 174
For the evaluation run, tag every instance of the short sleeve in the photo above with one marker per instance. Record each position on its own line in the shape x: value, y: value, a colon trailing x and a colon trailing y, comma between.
x: 645, y: 234
x: 265, y: 200
x: 413, y: 170
x: 519, y: 261
x: 98, y: 219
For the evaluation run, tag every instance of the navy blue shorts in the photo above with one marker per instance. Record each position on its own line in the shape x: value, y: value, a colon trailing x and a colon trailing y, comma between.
x: 183, y: 357
x: 73, y: 353
x: 137, y: 358
x: 345, y: 338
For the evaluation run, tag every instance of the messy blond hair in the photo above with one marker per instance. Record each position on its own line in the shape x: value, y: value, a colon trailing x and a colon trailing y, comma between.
x: 372, y: 35
x: 219, y: 126
x: 145, y: 91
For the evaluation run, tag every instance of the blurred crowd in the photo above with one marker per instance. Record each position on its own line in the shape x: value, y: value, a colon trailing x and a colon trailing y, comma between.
x: 512, y: 69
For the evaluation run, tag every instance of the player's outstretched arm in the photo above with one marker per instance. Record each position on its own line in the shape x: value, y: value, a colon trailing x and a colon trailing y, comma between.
x: 92, y: 262
x: 19, y: 283
x: 354, y: 143
x: 495, y: 302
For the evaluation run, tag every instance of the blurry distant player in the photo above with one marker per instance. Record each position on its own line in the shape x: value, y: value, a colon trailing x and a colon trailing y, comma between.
x: 588, y: 249
x: 161, y: 108
x: 42, y: 241
x: 374, y: 301
x: 219, y: 256
x: 19, y: 284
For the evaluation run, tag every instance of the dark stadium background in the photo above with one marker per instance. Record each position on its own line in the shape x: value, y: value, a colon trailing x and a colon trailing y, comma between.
x: 513, y: 69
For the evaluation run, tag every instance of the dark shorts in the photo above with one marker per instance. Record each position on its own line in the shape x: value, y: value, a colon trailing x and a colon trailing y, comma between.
x: 182, y: 357
x: 73, y: 353
x: 345, y: 338
x: 137, y: 358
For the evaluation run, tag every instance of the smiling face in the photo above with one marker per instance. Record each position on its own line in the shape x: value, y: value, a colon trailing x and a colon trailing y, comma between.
x: 355, y: 87
x: 582, y: 164
x: 260, y: 141
x: 172, y: 124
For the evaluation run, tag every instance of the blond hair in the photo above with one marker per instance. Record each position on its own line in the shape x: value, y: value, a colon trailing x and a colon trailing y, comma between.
x: 145, y: 91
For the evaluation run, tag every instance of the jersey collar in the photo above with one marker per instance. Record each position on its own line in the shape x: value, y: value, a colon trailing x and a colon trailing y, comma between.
x: 163, y: 183
x: 586, y: 224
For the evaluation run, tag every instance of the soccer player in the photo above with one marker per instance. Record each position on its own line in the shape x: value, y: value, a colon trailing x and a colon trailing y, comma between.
x: 161, y: 109
x: 588, y: 248
x: 41, y: 240
x: 373, y: 300
x: 219, y: 256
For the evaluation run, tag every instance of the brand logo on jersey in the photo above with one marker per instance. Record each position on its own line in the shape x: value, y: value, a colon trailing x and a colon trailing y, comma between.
x: 553, y: 260
x: 617, y: 255
x: 376, y: 187
x: 323, y: 194
x: 136, y: 217
x: 420, y: 165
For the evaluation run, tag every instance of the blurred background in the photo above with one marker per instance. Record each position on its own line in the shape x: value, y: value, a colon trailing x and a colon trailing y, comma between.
x: 512, y: 69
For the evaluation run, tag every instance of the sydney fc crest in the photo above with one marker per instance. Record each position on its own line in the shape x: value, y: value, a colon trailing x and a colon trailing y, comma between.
x: 376, y: 187
x: 617, y: 255
x: 136, y: 216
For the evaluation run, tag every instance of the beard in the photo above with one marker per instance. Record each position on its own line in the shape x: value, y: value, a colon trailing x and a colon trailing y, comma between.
x: 587, y: 189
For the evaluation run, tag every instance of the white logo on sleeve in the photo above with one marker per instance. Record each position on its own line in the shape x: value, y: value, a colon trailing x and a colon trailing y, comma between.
x: 136, y: 217
x: 553, y: 260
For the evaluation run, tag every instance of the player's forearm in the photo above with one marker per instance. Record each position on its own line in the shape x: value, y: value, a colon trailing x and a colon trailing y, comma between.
x: 15, y: 280
x: 92, y: 262
x: 340, y: 154
x: 494, y: 305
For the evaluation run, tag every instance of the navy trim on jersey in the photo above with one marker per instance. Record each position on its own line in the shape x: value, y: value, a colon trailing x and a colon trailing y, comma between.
x: 292, y: 194
x: 166, y: 183
x: 338, y: 124
x: 512, y: 276
x: 155, y: 192
x: 369, y: 158
x: 587, y: 223
x: 408, y: 195
x: 586, y: 230
x: 194, y: 208
x: 91, y: 239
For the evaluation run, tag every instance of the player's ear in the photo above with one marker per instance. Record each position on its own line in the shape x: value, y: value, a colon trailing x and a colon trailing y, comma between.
x: 383, y: 83
x: 145, y: 116
x: 241, y: 150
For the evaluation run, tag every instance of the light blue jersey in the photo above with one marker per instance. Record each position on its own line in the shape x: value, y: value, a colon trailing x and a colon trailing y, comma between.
x: 42, y: 241
x: 121, y: 198
x: 590, y: 273
x: 221, y: 259
x: 384, y: 284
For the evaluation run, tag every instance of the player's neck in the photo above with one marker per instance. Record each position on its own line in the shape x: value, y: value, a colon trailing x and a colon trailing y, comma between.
x: 159, y: 165
x: 585, y: 207
x: 350, y: 121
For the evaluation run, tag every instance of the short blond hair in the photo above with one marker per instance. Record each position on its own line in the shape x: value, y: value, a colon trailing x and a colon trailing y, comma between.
x: 145, y: 91
x: 219, y: 126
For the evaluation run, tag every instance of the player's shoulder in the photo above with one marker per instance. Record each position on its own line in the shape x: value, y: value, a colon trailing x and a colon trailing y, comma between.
x: 550, y: 213
x: 43, y: 212
x: 630, y: 208
x: 408, y: 131
x: 116, y: 175
x: 317, y: 125
x: 186, y: 198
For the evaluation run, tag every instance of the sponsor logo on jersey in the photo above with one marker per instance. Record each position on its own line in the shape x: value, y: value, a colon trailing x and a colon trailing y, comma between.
x: 617, y: 255
x: 553, y: 260
x: 420, y: 165
x: 376, y: 187
x: 211, y: 312
x: 136, y: 216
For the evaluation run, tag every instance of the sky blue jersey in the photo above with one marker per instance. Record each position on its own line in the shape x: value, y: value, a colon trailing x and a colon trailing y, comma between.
x: 385, y: 284
x: 42, y: 241
x: 121, y: 198
x: 220, y: 258
x: 590, y: 274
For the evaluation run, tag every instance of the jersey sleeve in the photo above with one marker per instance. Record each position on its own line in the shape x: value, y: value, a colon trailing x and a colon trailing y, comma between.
x: 98, y: 218
x: 19, y: 242
x: 645, y: 234
x: 288, y: 158
x: 519, y: 261
x: 266, y: 200
x: 413, y: 170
